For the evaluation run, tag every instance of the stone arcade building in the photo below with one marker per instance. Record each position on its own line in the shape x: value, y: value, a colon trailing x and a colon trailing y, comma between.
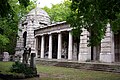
x: 55, y: 41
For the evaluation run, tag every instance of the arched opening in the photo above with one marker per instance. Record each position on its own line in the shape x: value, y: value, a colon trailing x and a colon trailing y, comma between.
x: 24, y: 38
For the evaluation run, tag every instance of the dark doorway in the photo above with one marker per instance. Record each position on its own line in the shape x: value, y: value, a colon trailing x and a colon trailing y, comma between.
x: 46, y: 46
x: 54, y: 45
x: 117, y: 47
x: 95, y: 52
x: 92, y: 53
x: 65, y: 39
x: 39, y: 46
x: 76, y: 42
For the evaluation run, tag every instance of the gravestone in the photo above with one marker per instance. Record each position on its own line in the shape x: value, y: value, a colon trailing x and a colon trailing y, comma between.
x: 6, y: 56
x: 17, y: 56
x: 32, y: 61
x: 33, y: 64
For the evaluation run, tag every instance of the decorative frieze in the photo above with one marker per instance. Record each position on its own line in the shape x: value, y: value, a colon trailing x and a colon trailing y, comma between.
x: 53, y: 29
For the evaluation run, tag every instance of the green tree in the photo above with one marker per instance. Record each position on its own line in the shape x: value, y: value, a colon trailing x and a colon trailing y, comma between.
x: 94, y: 15
x: 11, y: 12
x: 7, y: 9
x: 59, y: 12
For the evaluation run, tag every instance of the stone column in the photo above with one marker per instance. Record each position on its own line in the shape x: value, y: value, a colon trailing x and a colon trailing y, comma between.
x: 42, y: 47
x: 50, y: 47
x: 107, y: 46
x: 70, y: 47
x: 84, y: 50
x: 59, y: 46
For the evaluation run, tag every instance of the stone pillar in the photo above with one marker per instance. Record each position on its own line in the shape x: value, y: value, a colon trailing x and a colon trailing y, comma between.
x: 32, y: 60
x: 42, y: 47
x: 107, y: 46
x: 84, y: 50
x: 50, y: 47
x: 70, y: 47
x: 33, y: 64
x: 59, y: 46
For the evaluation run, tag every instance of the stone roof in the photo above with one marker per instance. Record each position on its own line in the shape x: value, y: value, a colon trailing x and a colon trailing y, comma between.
x: 38, y: 15
x: 38, y: 11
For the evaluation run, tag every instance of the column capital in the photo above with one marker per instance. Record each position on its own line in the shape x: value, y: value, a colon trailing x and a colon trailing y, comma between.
x: 49, y: 33
x: 69, y: 30
x: 58, y: 32
x: 42, y: 35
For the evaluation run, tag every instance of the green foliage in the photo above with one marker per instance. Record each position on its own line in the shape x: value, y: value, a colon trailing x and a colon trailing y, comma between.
x: 6, y: 9
x: 94, y: 15
x: 59, y: 12
x: 9, y: 19
x: 21, y: 68
x: 3, y: 40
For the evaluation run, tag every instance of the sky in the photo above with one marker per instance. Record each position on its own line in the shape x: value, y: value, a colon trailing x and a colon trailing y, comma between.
x: 48, y: 3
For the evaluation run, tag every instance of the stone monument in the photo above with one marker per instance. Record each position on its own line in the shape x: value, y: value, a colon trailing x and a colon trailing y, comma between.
x: 26, y: 55
x: 32, y: 60
x: 33, y: 64
x: 5, y: 56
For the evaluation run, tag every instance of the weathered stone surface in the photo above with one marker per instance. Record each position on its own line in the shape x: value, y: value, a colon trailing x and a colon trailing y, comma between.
x: 107, y: 47
x: 34, y: 19
x: 74, y: 56
x: 84, y: 50
x: 83, y: 41
x: 106, y: 57
x: 83, y: 57
x: 6, y: 56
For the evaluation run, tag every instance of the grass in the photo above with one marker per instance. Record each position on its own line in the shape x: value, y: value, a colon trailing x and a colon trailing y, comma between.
x: 61, y: 73
x: 5, y: 66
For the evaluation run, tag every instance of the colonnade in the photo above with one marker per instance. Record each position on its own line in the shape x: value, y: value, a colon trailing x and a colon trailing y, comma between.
x: 59, y: 50
x: 106, y: 53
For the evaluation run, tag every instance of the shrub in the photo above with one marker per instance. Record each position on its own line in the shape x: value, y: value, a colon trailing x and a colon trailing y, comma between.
x: 19, y: 67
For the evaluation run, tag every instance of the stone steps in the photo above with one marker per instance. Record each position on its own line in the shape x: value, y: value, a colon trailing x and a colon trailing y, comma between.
x: 83, y: 65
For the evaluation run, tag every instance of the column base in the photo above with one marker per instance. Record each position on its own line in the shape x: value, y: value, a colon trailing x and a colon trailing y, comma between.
x: 106, y: 57
x: 84, y: 57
